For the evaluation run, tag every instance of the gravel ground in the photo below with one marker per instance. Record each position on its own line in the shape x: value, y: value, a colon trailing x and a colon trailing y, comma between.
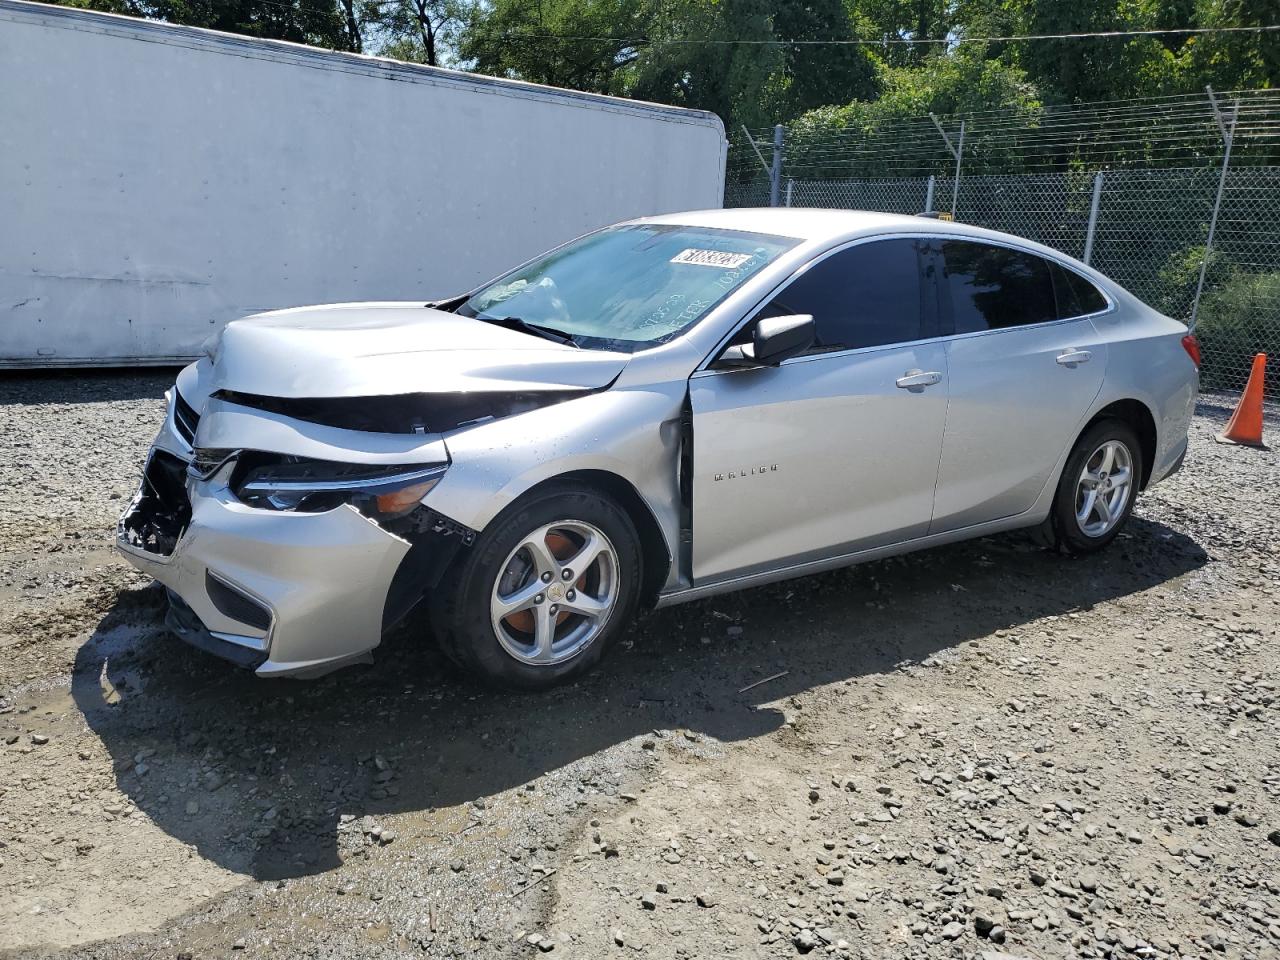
x: 980, y: 751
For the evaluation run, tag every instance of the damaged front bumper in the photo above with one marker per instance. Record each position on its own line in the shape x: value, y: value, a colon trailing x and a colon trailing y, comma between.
x: 282, y: 593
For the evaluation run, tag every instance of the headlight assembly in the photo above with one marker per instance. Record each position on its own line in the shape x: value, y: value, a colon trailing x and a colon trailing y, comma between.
x: 274, y: 482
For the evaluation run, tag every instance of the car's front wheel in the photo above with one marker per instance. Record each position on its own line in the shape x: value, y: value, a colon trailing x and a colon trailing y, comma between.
x: 544, y: 590
x: 1098, y: 488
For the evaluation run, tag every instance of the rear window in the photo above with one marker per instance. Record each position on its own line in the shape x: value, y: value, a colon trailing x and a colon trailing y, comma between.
x: 1077, y: 297
x: 994, y: 288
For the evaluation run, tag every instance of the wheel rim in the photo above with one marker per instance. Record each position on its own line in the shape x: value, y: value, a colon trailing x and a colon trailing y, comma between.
x: 1103, y: 491
x: 555, y: 592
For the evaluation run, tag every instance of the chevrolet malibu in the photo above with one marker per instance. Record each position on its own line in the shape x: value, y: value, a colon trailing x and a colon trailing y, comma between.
x: 656, y: 412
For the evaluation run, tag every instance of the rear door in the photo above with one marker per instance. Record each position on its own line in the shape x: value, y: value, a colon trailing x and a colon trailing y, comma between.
x: 827, y: 453
x: 1025, y: 364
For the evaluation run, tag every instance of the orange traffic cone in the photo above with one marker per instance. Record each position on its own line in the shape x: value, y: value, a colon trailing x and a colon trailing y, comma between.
x: 1245, y: 425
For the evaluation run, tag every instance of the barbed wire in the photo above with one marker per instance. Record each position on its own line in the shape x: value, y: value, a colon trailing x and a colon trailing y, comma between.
x: 1256, y: 99
x: 1154, y: 131
x: 954, y: 40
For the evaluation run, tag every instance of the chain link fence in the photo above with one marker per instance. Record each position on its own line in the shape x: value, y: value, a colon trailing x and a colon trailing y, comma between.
x: 1160, y: 230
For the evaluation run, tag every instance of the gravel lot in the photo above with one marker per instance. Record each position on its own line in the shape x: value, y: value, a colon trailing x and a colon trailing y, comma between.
x: 981, y: 751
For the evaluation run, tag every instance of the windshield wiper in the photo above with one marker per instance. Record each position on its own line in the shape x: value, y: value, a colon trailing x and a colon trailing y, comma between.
x: 524, y: 326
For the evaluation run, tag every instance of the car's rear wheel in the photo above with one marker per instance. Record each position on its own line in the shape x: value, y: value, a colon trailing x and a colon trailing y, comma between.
x: 1098, y: 488
x: 544, y: 590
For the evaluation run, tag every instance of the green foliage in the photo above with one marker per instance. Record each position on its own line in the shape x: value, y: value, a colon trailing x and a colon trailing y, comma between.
x: 1087, y: 69
x: 1231, y: 61
x: 316, y: 22
x: 1237, y: 320
x: 943, y: 84
x: 1177, y: 281
x: 420, y: 31
x: 528, y: 40
x: 741, y: 58
x: 684, y: 52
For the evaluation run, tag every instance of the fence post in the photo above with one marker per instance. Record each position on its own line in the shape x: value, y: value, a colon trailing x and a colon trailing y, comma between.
x: 928, y: 194
x: 1093, y: 217
x: 790, y: 184
x: 775, y: 172
x: 1228, y: 135
x: 957, y: 151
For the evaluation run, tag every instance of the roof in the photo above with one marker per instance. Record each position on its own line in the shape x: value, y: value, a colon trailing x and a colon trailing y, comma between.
x: 803, y: 223
x: 823, y: 226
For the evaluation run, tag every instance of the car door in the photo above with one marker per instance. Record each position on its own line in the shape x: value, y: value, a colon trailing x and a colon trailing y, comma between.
x: 1025, y: 364
x: 833, y: 451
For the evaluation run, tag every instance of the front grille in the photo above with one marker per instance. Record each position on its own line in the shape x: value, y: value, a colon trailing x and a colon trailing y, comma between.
x: 160, y: 512
x: 185, y: 418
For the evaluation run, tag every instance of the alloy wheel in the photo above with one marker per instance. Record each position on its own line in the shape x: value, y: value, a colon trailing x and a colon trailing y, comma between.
x: 555, y: 592
x: 1104, y: 488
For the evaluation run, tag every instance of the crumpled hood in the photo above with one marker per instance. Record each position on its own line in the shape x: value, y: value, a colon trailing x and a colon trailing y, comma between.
x: 383, y: 349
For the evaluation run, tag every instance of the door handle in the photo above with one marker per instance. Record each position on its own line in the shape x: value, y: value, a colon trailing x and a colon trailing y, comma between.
x: 917, y: 380
x: 1074, y: 358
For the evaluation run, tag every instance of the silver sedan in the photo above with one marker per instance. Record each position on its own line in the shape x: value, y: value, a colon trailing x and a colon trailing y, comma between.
x: 656, y: 412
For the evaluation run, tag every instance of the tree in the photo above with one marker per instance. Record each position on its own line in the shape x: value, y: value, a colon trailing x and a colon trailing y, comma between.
x: 319, y: 23
x: 964, y: 81
x: 416, y: 30
x: 1232, y: 61
x: 918, y: 20
x: 760, y: 62
x: 539, y: 40
x: 818, y: 75
x: 728, y: 56
x: 1082, y: 69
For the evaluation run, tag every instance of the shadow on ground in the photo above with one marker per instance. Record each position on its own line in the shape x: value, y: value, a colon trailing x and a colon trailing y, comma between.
x: 272, y: 765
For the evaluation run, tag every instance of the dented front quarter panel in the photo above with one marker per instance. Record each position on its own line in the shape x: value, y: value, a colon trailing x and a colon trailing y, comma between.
x: 632, y: 433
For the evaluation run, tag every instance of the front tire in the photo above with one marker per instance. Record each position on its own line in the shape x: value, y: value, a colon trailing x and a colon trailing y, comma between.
x: 1098, y: 487
x: 543, y: 592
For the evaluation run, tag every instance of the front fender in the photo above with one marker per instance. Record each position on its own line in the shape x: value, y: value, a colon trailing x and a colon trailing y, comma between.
x: 633, y: 434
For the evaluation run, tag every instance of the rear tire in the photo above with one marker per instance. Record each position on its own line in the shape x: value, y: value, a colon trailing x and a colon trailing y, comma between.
x: 515, y: 612
x: 1097, y: 489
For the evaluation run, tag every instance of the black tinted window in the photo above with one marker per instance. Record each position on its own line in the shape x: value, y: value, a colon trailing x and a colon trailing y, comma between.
x: 1076, y: 295
x: 994, y: 287
x: 865, y: 296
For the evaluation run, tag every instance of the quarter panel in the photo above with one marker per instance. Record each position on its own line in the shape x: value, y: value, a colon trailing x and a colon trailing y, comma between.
x: 631, y: 433
x: 1148, y: 363
x: 1013, y: 410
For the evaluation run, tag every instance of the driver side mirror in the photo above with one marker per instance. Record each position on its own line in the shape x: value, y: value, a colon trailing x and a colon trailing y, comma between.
x: 773, y: 340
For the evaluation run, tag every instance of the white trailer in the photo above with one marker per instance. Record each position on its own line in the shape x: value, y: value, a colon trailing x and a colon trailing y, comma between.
x: 157, y: 181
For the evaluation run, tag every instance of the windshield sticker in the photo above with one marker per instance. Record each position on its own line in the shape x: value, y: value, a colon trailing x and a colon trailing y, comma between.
x: 711, y: 258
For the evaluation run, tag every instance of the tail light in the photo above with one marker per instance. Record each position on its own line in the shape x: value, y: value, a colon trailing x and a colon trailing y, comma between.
x: 1192, y: 346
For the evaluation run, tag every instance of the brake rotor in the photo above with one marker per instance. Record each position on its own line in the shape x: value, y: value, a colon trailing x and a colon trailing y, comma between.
x: 562, y: 548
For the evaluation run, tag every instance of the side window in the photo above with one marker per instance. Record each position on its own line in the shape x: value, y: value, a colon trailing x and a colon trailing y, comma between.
x: 992, y: 288
x: 866, y: 296
x: 1077, y: 297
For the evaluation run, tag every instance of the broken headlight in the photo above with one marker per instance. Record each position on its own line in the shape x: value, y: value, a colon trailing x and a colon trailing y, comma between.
x: 275, y: 482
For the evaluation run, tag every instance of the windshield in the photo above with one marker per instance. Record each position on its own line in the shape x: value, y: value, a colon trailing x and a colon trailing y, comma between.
x: 626, y: 288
